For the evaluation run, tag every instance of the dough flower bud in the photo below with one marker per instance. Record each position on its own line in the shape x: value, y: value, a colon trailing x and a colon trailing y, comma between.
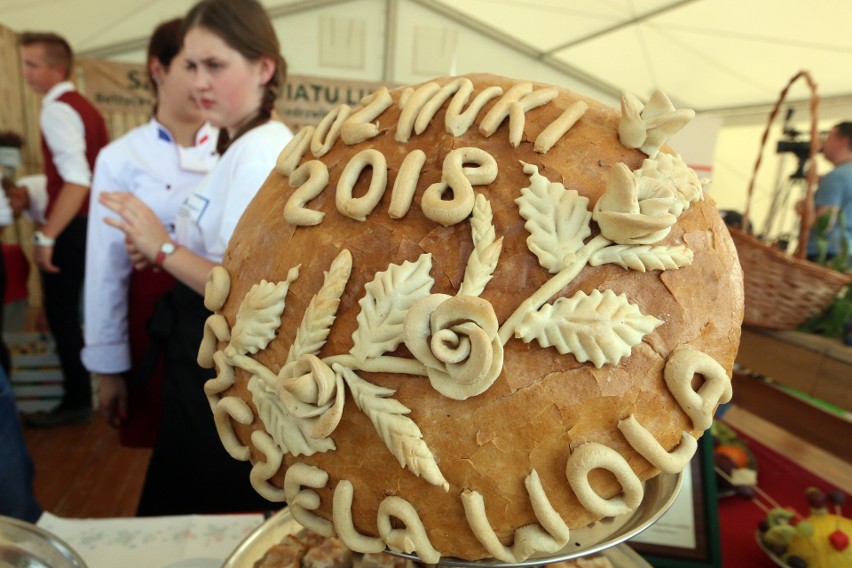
x: 636, y: 210
x: 674, y: 172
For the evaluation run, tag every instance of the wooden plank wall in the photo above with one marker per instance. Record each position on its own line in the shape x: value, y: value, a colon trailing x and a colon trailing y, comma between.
x: 19, y: 112
x: 18, y: 104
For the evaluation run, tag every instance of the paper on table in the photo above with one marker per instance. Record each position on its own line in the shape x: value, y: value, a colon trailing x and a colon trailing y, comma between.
x: 187, y: 541
x: 677, y: 525
x: 622, y: 556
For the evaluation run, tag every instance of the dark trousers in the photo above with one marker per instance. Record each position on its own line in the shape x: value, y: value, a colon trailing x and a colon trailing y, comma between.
x: 190, y: 472
x: 5, y: 357
x: 17, y: 498
x: 62, y: 297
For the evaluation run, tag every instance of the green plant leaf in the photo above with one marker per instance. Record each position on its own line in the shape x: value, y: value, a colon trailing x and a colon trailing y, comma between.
x: 831, y: 322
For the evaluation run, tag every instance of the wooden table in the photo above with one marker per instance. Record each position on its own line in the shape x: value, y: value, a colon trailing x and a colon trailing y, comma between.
x: 817, y: 366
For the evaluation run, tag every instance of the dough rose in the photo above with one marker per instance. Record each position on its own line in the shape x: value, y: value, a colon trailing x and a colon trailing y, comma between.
x: 456, y: 338
x: 311, y: 391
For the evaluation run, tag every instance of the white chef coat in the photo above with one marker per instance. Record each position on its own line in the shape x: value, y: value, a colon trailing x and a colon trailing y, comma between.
x: 148, y: 163
x: 65, y: 135
x: 208, y: 218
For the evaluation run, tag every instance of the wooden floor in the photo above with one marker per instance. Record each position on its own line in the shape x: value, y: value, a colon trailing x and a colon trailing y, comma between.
x: 83, y: 472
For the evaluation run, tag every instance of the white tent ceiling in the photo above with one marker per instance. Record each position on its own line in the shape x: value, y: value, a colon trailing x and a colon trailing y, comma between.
x: 705, y: 54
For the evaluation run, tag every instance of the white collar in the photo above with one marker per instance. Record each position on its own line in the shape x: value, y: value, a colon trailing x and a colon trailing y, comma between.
x: 58, y: 90
x: 205, y: 133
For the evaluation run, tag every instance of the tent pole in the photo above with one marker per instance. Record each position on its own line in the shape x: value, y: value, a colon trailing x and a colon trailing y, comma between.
x: 391, y: 27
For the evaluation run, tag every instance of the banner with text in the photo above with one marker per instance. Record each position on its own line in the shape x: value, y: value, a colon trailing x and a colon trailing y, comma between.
x: 123, y: 87
x: 116, y: 87
x: 306, y: 99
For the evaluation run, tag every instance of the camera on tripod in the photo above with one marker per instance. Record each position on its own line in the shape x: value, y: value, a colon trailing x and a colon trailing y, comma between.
x: 792, y: 144
x: 801, y: 148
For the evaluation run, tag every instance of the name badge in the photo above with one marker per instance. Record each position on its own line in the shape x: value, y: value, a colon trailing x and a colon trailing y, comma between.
x: 194, y: 207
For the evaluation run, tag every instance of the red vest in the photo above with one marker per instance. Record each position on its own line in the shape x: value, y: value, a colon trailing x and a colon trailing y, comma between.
x: 96, y: 138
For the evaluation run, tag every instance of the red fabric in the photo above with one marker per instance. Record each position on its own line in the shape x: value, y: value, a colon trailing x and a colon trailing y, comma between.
x: 139, y: 429
x: 17, y: 273
x: 96, y: 138
x: 783, y: 481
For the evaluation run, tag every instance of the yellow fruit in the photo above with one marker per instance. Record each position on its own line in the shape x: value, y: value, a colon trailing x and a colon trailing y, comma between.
x: 816, y: 550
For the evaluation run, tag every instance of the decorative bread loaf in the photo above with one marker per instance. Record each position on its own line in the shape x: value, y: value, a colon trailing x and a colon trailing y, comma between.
x: 472, y: 315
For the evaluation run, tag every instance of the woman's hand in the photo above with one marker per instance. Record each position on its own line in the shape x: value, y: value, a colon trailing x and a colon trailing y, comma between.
x: 136, y: 258
x: 112, y: 399
x: 143, y: 230
x: 19, y: 199
x: 145, y: 235
x: 43, y: 257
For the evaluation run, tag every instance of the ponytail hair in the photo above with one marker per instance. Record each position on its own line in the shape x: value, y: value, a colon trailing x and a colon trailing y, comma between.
x: 165, y: 44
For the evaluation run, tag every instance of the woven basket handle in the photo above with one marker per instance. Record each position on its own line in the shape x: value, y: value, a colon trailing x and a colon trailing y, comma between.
x: 811, y: 176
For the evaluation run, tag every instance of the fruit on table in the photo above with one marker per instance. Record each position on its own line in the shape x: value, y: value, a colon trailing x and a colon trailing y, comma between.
x: 735, y: 452
x: 826, y: 546
x: 820, y: 540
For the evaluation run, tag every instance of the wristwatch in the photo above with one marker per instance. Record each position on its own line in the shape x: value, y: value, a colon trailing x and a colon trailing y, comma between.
x: 42, y: 240
x: 167, y: 249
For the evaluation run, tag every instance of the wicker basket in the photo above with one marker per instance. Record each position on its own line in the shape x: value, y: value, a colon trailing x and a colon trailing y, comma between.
x: 782, y: 291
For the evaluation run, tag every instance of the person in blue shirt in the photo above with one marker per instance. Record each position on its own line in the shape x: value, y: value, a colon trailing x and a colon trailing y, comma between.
x: 17, y: 497
x: 834, y: 193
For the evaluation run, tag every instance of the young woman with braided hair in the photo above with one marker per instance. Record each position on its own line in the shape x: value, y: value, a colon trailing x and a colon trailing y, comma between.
x: 231, y: 48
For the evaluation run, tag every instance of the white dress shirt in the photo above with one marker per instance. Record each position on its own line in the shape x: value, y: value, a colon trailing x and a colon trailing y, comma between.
x: 6, y: 217
x: 208, y: 218
x: 36, y: 186
x: 65, y: 135
x: 146, y: 162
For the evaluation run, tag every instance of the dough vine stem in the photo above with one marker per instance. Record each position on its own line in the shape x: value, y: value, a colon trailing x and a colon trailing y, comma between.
x: 249, y: 365
x: 379, y: 364
x: 552, y: 286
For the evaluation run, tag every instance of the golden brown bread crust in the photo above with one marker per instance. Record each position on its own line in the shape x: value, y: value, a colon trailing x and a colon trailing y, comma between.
x: 544, y: 404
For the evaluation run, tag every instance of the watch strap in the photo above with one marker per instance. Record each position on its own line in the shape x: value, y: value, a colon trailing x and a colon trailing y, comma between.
x: 42, y: 240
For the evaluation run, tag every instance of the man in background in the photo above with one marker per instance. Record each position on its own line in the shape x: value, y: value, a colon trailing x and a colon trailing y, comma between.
x: 834, y: 193
x: 73, y: 132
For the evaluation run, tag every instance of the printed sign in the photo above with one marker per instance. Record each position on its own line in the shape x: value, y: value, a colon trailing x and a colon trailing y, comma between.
x: 305, y: 100
x: 116, y: 87
x: 123, y: 87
